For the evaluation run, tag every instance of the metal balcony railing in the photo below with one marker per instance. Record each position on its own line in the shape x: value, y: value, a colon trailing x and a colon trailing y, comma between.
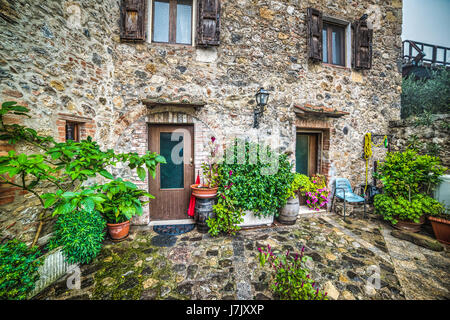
x: 423, y: 54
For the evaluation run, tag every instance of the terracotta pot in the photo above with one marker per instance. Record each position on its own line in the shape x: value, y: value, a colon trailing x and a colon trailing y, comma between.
x: 118, y: 231
x: 203, y: 193
x: 409, y: 226
x: 441, y: 229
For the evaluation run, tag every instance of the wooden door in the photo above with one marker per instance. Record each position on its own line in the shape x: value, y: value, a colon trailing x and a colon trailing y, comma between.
x: 171, y: 187
x: 306, y: 153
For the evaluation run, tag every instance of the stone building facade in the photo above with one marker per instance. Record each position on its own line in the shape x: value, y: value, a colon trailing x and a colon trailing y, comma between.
x: 69, y: 61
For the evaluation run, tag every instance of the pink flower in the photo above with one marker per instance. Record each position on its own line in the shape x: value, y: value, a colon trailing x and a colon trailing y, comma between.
x: 213, y: 139
x: 230, y: 173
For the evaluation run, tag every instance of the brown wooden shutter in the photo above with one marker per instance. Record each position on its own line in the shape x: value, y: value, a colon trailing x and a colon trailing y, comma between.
x: 132, y: 20
x: 208, y: 27
x: 361, y: 45
x: 315, y: 37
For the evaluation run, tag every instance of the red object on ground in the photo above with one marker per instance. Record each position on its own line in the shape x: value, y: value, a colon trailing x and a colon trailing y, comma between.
x: 191, y: 208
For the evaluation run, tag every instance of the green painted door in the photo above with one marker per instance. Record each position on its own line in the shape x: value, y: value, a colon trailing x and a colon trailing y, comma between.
x: 302, y: 154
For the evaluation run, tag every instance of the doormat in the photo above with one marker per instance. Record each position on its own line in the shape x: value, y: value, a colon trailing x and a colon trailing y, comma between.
x: 174, y: 229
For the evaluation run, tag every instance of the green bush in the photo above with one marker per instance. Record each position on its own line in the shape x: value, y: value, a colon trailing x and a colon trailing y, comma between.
x: 426, y: 95
x: 18, y: 269
x: 408, y: 173
x: 257, y: 184
x: 81, y: 234
x: 399, y: 208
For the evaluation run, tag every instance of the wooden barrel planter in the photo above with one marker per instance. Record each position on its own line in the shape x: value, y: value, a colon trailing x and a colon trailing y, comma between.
x: 204, y: 211
x: 289, y: 213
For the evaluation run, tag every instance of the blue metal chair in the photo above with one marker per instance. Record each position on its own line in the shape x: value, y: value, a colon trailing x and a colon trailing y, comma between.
x: 343, y: 190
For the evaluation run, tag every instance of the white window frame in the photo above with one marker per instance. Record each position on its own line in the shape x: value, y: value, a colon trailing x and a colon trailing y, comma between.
x: 348, y: 37
x: 150, y: 24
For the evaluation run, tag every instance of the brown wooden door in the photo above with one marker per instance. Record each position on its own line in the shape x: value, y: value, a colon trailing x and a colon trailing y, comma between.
x: 171, y: 187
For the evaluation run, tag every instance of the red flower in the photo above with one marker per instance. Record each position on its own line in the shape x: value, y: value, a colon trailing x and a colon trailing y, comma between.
x: 213, y: 139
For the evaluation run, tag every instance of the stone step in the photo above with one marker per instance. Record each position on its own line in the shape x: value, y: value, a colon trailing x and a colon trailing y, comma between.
x: 306, y: 212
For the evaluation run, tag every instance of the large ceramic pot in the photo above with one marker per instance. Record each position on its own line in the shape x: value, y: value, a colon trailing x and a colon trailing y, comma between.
x: 441, y: 229
x: 289, y: 213
x: 204, y: 211
x: 118, y: 231
x: 203, y: 192
x: 409, y: 226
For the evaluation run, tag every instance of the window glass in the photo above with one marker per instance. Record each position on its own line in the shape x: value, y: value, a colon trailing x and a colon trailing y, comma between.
x: 324, y: 44
x: 184, y: 22
x: 334, y: 44
x: 161, y: 21
x: 172, y: 172
x: 337, y: 45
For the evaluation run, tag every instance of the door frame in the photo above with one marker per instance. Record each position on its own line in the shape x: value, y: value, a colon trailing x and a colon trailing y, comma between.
x: 169, y: 124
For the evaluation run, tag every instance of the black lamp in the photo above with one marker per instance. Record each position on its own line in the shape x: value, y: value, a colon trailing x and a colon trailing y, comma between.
x: 262, y: 96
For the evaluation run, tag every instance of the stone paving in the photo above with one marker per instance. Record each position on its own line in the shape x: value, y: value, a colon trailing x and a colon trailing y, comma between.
x: 196, y: 266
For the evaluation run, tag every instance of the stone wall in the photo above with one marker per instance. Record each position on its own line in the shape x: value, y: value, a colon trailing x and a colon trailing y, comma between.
x: 430, y: 139
x: 66, y: 57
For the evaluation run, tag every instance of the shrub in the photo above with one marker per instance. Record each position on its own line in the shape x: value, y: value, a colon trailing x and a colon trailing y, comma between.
x: 258, y: 185
x: 399, y: 208
x: 291, y: 278
x: 18, y: 269
x: 407, y: 173
x: 300, y: 183
x: 81, y: 234
x: 426, y: 95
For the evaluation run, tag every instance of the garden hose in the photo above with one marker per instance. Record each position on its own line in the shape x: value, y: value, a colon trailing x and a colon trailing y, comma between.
x: 368, y: 152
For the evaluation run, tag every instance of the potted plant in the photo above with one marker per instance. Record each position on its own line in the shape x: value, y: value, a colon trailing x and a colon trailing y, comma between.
x: 406, y: 214
x: 440, y: 222
x: 208, y: 189
x: 289, y: 213
x: 408, y: 179
x: 121, y: 202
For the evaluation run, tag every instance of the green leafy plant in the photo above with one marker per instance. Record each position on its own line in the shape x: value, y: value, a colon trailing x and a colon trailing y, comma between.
x: 301, y: 183
x: 408, y: 173
x: 64, y: 165
x: 399, y: 208
x: 122, y: 200
x: 81, y: 234
x: 291, y: 279
x: 261, y: 179
x: 18, y: 269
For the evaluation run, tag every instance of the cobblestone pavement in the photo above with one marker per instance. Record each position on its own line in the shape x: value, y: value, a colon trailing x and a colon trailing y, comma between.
x: 196, y: 266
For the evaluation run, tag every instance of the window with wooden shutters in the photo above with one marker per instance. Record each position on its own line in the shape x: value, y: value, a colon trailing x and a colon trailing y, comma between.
x: 362, y: 45
x: 315, y: 37
x: 208, y: 27
x: 132, y: 20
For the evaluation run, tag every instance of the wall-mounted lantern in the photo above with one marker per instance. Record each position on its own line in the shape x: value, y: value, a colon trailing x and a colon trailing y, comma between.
x: 262, y: 97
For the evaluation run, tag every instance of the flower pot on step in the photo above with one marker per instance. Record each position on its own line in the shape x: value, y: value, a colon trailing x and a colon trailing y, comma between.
x: 118, y: 231
x: 441, y: 229
x: 203, y: 192
x: 409, y: 226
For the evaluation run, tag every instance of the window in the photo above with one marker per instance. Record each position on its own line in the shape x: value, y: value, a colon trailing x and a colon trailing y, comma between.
x: 172, y: 21
x: 334, y: 43
x: 72, y: 131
